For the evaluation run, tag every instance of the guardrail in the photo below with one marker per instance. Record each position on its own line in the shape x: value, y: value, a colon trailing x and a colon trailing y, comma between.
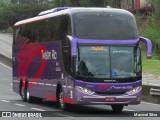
x: 155, y: 92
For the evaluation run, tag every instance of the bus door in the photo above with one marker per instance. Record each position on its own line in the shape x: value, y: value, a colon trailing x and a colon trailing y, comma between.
x: 66, y: 76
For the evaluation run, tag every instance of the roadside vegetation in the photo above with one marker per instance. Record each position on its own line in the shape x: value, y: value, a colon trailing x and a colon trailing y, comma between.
x: 149, y: 27
x: 151, y: 66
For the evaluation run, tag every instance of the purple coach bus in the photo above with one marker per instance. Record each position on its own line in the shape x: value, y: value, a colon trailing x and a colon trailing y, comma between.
x: 79, y: 56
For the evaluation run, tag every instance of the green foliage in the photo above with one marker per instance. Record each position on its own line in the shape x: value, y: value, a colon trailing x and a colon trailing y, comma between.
x: 86, y: 3
x: 149, y: 26
x: 156, y: 5
x: 151, y: 65
x: 2, y: 4
x: 16, y: 12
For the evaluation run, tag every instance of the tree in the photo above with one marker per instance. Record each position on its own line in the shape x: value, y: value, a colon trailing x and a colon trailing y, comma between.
x: 156, y: 6
x: 16, y: 12
x: 3, y: 3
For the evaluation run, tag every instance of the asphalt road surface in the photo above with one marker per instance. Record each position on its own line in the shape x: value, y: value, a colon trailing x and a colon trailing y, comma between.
x: 10, y: 101
x: 6, y: 44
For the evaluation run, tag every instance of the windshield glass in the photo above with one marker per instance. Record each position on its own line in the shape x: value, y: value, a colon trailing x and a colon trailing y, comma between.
x: 108, y: 62
x: 93, y: 61
x: 104, y: 25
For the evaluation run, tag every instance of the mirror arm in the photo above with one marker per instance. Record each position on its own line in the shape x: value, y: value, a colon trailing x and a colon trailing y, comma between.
x: 148, y: 45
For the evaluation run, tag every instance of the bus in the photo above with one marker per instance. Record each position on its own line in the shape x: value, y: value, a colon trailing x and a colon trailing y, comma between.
x: 79, y: 56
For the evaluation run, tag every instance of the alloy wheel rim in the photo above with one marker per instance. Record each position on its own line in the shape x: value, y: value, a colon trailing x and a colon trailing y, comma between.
x: 61, y: 100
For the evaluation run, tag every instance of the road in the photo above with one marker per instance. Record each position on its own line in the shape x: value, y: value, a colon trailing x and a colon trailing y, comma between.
x: 10, y: 101
x: 6, y: 45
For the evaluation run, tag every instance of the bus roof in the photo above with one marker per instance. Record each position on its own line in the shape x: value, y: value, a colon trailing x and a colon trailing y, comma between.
x: 69, y: 10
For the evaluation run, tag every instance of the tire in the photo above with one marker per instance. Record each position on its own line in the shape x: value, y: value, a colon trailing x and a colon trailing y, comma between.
x: 23, y: 93
x: 62, y: 104
x: 29, y: 99
x: 117, y: 108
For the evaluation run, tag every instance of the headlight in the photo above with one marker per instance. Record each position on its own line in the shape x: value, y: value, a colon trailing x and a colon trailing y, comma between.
x: 134, y: 90
x: 84, y: 90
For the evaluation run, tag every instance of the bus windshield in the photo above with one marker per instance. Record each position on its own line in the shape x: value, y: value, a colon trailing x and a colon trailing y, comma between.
x: 103, y: 25
x: 108, y: 62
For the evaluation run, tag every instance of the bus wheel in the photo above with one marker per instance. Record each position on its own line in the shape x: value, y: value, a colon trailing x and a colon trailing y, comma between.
x: 29, y: 98
x: 62, y: 104
x: 23, y: 93
x: 117, y: 108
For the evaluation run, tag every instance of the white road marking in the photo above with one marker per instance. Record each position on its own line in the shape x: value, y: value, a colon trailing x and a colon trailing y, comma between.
x: 63, y: 115
x: 37, y: 109
x: 6, y: 66
x: 19, y: 104
x: 128, y: 110
x: 11, y: 84
x: 5, y: 101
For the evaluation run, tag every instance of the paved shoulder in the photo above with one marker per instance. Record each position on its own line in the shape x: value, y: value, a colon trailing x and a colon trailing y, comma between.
x: 6, y: 44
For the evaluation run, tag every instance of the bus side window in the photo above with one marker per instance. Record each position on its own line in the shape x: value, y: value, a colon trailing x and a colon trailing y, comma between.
x: 39, y: 33
x: 34, y: 33
x: 53, y: 29
x: 65, y: 27
x: 66, y: 51
x: 23, y: 33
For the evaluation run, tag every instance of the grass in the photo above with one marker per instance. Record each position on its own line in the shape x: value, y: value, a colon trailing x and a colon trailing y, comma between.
x: 151, y: 65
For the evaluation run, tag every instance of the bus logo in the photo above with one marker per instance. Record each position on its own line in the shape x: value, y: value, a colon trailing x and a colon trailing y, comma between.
x: 47, y: 55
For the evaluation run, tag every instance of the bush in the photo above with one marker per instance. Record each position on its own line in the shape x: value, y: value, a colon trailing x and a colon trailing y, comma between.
x: 16, y: 12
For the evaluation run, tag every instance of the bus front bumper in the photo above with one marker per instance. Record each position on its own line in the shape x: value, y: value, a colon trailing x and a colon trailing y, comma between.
x: 82, y: 98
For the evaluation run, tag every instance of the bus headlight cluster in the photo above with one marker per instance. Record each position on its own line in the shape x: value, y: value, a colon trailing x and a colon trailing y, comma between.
x: 84, y: 90
x: 134, y: 90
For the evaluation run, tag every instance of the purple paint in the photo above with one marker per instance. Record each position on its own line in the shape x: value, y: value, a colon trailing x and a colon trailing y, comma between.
x: 148, y: 47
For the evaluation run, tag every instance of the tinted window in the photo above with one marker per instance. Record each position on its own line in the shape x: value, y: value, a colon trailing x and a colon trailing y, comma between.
x: 104, y: 25
x: 51, y: 29
x: 23, y: 35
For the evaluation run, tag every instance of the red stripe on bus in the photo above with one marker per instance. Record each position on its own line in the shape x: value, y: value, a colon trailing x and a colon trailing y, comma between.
x: 31, y: 20
x: 68, y: 100
x: 49, y: 97
x: 36, y: 77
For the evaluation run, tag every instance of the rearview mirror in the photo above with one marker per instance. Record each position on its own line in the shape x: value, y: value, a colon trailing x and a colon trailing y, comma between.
x: 148, y: 45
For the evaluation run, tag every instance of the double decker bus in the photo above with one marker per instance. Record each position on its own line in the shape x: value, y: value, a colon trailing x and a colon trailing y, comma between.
x: 79, y: 56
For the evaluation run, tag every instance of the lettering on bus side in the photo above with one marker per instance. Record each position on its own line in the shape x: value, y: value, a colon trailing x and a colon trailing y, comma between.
x: 48, y: 55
